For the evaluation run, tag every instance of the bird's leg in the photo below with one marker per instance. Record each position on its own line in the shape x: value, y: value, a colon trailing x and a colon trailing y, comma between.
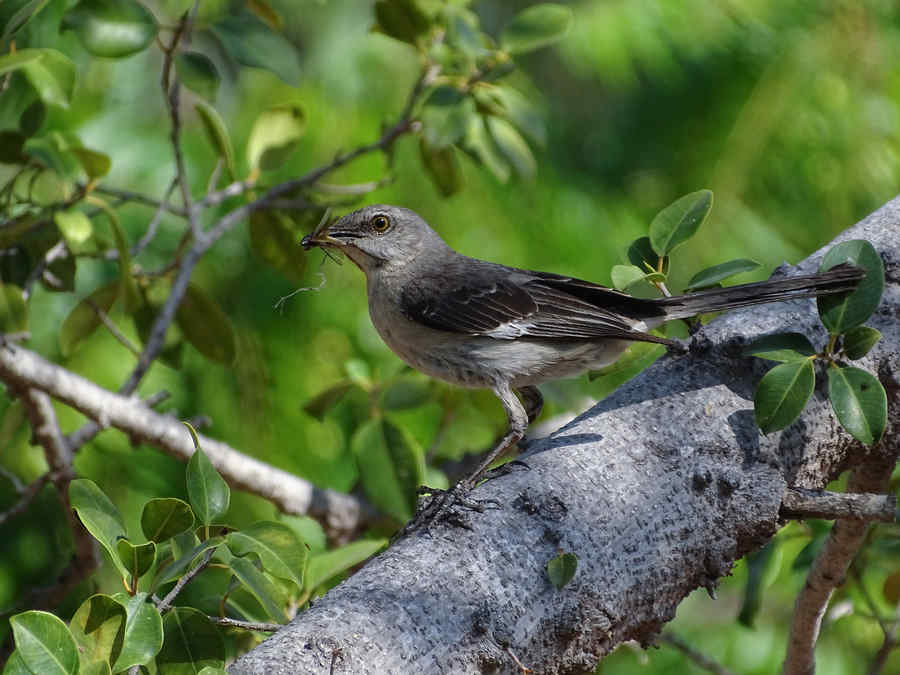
x: 518, y: 423
x: 533, y: 401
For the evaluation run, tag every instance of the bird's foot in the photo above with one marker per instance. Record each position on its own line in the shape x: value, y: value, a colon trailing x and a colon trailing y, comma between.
x: 452, y: 506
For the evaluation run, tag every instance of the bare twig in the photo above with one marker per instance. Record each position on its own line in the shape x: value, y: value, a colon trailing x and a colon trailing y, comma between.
x: 140, y: 198
x: 697, y: 657
x: 246, y: 625
x: 112, y: 327
x: 800, y: 503
x: 164, y: 604
x: 149, y: 235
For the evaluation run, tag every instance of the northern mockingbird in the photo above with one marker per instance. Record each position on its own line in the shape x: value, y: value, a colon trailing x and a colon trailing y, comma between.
x: 480, y: 324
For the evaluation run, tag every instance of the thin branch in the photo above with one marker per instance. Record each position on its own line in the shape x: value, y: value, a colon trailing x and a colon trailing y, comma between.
x: 189, y: 576
x: 150, y: 234
x: 801, y: 503
x: 140, y: 198
x: 246, y: 625
x: 890, y: 643
x: 23, y: 368
x: 697, y: 657
x: 113, y: 328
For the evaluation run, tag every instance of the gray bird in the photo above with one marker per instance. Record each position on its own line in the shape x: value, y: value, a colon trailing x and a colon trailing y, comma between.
x: 480, y: 324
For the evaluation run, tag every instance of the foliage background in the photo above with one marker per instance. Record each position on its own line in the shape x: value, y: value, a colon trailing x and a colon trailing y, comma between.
x: 788, y: 110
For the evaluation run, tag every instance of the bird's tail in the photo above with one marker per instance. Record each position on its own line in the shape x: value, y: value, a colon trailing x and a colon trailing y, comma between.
x: 839, y: 279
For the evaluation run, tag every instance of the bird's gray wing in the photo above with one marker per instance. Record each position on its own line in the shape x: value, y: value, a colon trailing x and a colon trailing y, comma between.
x: 505, y: 303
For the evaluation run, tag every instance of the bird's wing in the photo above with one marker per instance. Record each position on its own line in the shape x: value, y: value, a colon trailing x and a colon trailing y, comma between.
x: 505, y: 303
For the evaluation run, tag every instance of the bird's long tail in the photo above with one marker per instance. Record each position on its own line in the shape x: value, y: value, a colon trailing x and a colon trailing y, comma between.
x: 839, y: 279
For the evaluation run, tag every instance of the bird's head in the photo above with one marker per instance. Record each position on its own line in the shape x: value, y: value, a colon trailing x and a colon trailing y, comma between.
x: 377, y: 236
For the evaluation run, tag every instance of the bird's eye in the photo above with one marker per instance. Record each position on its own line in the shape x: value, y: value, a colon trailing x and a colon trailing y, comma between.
x: 381, y: 223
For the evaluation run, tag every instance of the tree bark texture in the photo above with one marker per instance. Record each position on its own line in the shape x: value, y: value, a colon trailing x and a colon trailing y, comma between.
x: 657, y: 490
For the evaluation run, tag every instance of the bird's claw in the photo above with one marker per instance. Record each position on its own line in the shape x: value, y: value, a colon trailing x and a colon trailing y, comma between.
x: 447, y: 505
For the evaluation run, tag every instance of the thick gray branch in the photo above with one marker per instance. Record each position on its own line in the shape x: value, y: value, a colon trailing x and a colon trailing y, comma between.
x: 658, y: 489
x: 800, y: 503
x: 24, y: 370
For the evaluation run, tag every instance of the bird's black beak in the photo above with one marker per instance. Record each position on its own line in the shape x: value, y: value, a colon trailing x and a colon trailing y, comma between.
x: 327, y: 234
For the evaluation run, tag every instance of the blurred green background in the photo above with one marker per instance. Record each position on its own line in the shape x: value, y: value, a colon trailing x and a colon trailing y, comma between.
x: 789, y: 110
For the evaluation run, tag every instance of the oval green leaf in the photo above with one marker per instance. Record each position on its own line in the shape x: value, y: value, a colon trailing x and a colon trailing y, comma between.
x: 401, y: 19
x: 446, y: 116
x: 678, y: 222
x: 782, y: 394
x: 206, y: 326
x: 95, y: 164
x: 782, y: 347
x: 44, y: 643
x: 163, y: 518
x: 713, y: 275
x: 859, y: 401
x: 274, y: 136
x: 112, y: 28
x: 98, y: 627
x: 137, y: 558
x: 17, y: 60
x: 143, y: 632
x: 859, y: 341
x: 207, y: 491
x: 252, y: 42
x: 13, y: 310
x: 536, y: 27
x: 281, y: 552
x: 512, y: 146
x: 561, y: 569
x: 481, y: 146
x: 75, y: 226
x: 625, y: 277
x: 182, y: 562
x: 217, y: 133
x: 842, y: 312
x: 191, y: 643
x: 52, y: 75
x: 640, y: 253
x: 83, y: 319
x: 100, y: 516
x: 198, y: 73
x: 260, y: 586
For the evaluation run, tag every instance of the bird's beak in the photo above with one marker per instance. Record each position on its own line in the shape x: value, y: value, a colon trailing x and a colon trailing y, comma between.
x: 326, y: 234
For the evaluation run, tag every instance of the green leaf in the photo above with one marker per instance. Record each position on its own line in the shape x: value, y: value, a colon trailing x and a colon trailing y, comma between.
x: 98, y: 627
x: 512, y: 146
x: 100, y: 516
x: 274, y: 136
x: 678, y: 222
x: 210, y: 670
x: 640, y: 253
x: 44, y: 643
x: 782, y: 394
x: 479, y: 144
x: 625, y: 277
x: 759, y: 564
x: 206, y: 326
x: 326, y: 400
x: 251, y: 42
x: 52, y: 75
x: 181, y: 563
x: 75, y: 227
x: 20, y: 17
x: 782, y: 347
x: 405, y: 393
x: 638, y: 356
x: 13, y: 310
x: 32, y: 118
x: 16, y: 666
x: 273, y: 237
x: 137, y: 558
x: 281, y: 552
x: 46, y: 151
x: 112, y: 28
x: 266, y: 12
x: 95, y: 164
x: 325, y: 566
x: 11, y: 62
x: 713, y: 275
x: 217, y: 133
x: 859, y: 401
x: 260, y: 587
x: 391, y: 466
x: 401, y: 19
x: 521, y: 111
x: 165, y: 517
x: 842, y: 312
x: 208, y: 492
x: 131, y: 297
x: 445, y: 116
x: 443, y: 167
x: 198, y: 73
x: 562, y: 568
x: 536, y: 27
x: 191, y: 642
x: 83, y: 320
x: 143, y: 632
x: 859, y: 341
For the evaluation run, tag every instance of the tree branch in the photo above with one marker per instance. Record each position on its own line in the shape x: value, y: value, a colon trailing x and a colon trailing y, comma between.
x: 657, y: 490
x: 800, y: 503
x: 23, y: 369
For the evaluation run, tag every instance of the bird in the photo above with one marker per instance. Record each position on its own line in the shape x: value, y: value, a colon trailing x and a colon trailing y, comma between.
x: 480, y: 324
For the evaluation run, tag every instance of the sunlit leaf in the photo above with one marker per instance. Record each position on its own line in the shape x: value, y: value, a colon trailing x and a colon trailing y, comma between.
x: 625, y: 277
x: 782, y: 394
x: 217, y: 133
x: 274, y: 136
x: 17, y: 60
x: 842, y: 312
x: 562, y: 568
x: 52, y: 75
x: 713, y: 275
x: 207, y: 490
x: 44, y: 643
x: 165, y: 517
x: 198, y: 73
x: 13, y: 310
x: 112, y: 28
x: 480, y: 144
x: 782, y: 347
x: 191, y: 642
x: 859, y: 401
x: 536, y: 27
x: 98, y: 627
x: 859, y: 341
x: 206, y: 326
x: 75, y: 227
x: 678, y: 222
x: 143, y: 632
x: 512, y: 146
